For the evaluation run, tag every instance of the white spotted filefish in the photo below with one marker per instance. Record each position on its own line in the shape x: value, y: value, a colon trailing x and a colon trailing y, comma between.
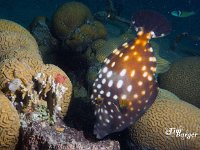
x: 125, y: 86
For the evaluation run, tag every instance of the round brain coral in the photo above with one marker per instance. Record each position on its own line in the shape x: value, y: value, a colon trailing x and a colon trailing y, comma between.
x: 86, y: 34
x: 19, y: 54
x: 7, y: 25
x: 66, y: 19
x: 152, y: 130
x: 183, y: 79
x: 60, y: 77
x: 93, y: 50
x: 10, y: 40
x: 13, y: 68
x: 9, y: 124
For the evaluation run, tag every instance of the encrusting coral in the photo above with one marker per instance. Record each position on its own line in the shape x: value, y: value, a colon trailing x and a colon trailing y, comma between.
x: 9, y: 124
x: 38, y: 92
x: 169, y: 124
x: 183, y: 79
x: 67, y: 19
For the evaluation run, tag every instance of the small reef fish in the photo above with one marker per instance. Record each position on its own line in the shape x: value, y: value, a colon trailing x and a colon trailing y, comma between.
x: 125, y: 87
x: 182, y: 14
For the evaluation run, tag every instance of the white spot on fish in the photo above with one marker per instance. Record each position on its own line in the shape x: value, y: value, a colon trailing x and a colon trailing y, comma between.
x: 129, y: 88
x: 123, y: 72
x: 132, y: 73
x: 119, y: 117
x: 103, y: 81
x: 108, y: 121
x: 125, y: 45
x: 108, y: 94
x: 113, y: 64
x: 109, y: 74
x: 105, y: 69
x: 100, y: 76
x: 98, y: 86
x: 115, y: 97
x: 145, y: 74
x: 101, y: 92
x: 121, y: 54
x: 124, y: 96
x: 140, y: 83
x: 120, y: 83
x: 110, y: 83
x: 150, y: 78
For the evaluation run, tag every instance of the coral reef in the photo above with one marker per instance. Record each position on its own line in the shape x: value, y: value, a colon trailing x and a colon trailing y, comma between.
x: 86, y: 34
x: 33, y: 90
x: 163, y: 65
x: 8, y: 25
x: 13, y: 68
x: 93, y: 50
x: 183, y: 79
x: 61, y: 78
x: 46, y: 42
x: 154, y: 130
x: 19, y: 54
x: 61, y: 137
x: 9, y: 124
x: 67, y: 19
x: 10, y: 40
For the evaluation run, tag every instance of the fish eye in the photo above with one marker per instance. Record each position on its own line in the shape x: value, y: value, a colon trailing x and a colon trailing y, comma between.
x: 98, y: 101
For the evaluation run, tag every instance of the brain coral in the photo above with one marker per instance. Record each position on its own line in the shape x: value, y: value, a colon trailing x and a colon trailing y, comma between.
x: 9, y: 124
x: 183, y: 79
x: 7, y: 25
x: 66, y: 19
x: 18, y: 54
x: 152, y: 130
x: 93, y: 50
x: 23, y: 69
x: 10, y: 40
x: 87, y: 33
x: 55, y: 71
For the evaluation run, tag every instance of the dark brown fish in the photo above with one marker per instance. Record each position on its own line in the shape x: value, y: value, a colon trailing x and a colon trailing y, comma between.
x: 126, y: 87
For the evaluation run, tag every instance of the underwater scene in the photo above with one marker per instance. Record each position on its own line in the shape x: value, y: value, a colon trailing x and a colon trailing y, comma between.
x: 99, y: 75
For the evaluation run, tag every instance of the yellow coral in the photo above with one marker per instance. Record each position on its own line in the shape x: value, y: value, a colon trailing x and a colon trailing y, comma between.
x: 9, y: 124
x: 18, y: 54
x: 53, y: 70
x: 163, y: 65
x: 108, y: 47
x: 10, y: 40
x: 24, y: 69
x: 164, y: 94
x: 68, y: 17
x: 150, y: 131
x: 7, y: 25
x: 183, y: 79
x: 93, y: 50
x: 86, y: 34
